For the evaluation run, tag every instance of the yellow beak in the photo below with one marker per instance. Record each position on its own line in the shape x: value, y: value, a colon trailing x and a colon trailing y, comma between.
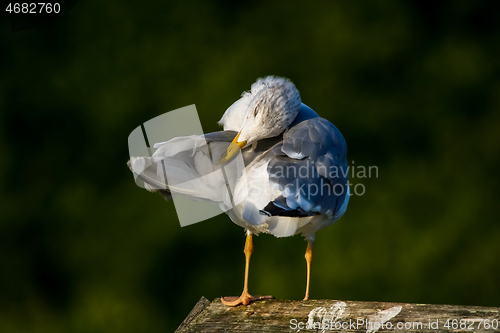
x: 233, y: 149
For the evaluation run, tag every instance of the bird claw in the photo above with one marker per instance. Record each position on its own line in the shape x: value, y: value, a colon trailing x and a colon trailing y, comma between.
x: 244, y: 299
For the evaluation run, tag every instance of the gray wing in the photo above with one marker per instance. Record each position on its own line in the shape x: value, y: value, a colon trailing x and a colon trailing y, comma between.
x: 310, y: 170
x: 220, y: 136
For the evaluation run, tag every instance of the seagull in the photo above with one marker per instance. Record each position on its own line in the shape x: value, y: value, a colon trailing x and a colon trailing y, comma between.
x: 295, y: 177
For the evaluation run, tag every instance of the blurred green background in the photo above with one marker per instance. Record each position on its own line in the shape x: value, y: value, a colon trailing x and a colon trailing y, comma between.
x: 414, y: 86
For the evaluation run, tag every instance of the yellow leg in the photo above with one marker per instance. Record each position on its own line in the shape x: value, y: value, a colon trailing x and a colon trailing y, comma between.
x: 248, y: 253
x: 309, y: 258
x: 245, y: 297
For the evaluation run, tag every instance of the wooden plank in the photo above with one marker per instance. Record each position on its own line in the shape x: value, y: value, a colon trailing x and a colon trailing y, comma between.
x: 198, y: 308
x: 346, y: 316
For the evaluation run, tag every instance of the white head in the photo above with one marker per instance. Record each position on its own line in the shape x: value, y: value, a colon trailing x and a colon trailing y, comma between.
x: 273, y: 104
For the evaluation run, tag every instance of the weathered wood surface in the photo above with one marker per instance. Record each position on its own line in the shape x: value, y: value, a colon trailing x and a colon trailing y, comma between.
x: 346, y: 316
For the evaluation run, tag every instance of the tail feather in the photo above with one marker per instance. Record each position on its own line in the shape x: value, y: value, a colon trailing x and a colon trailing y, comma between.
x: 185, y: 165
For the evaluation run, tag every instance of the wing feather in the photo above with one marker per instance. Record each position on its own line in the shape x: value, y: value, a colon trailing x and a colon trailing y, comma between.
x: 311, y: 171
